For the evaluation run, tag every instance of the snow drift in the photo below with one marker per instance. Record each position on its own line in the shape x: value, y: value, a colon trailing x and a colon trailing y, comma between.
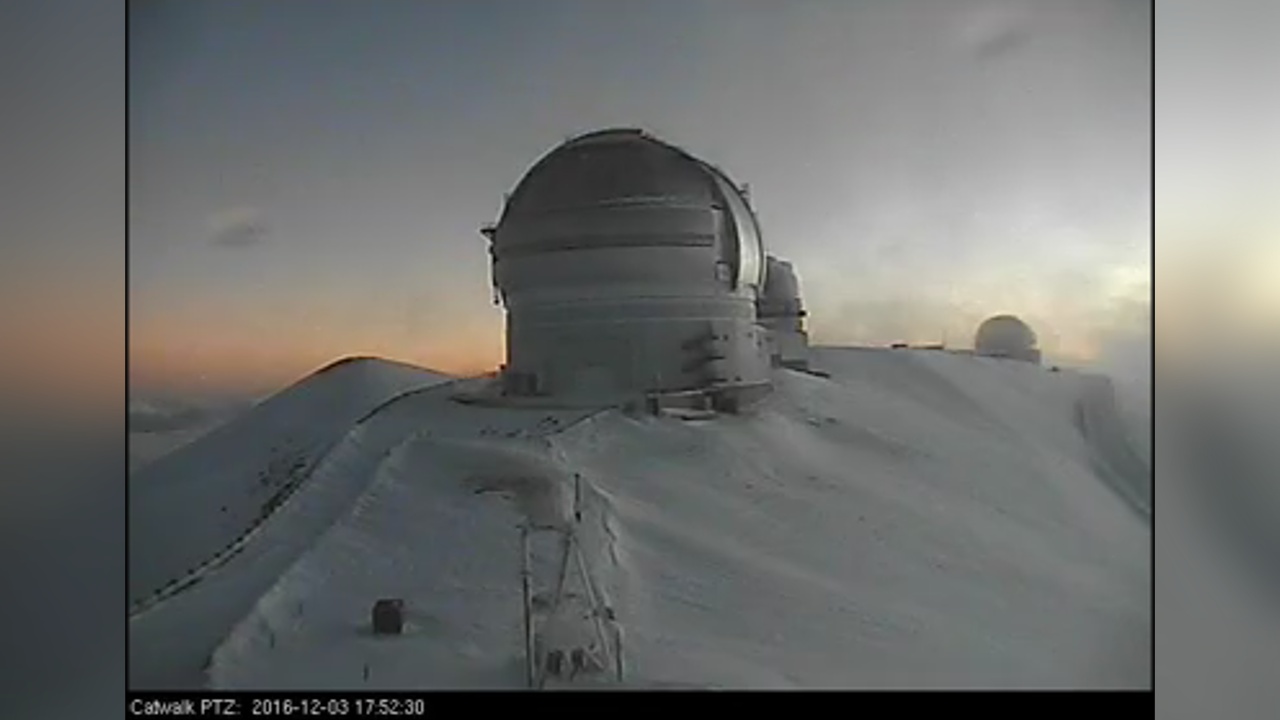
x: 917, y: 519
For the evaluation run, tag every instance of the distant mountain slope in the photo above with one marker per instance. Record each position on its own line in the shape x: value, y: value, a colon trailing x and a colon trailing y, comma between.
x: 146, y: 448
x: 919, y: 519
x: 193, y: 503
x: 158, y: 426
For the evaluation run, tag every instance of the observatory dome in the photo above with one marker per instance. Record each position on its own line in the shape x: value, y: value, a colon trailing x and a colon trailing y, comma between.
x: 782, y: 313
x: 627, y: 265
x: 1006, y: 336
x: 623, y: 188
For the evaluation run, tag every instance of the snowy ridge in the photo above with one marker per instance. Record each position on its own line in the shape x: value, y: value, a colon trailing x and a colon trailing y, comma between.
x: 1039, y: 408
x: 336, y: 460
x: 219, y: 592
x: 920, y: 519
x: 190, y: 507
x: 270, y: 611
x: 457, y: 491
x: 808, y: 554
x: 1116, y: 461
x: 222, y: 598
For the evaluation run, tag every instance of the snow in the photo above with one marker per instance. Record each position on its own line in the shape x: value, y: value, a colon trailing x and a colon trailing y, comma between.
x: 196, y: 517
x: 919, y: 519
x: 157, y: 427
x: 215, y: 490
x: 146, y: 448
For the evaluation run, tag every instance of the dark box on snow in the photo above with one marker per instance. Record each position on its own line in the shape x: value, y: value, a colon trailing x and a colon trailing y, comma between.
x: 388, y: 616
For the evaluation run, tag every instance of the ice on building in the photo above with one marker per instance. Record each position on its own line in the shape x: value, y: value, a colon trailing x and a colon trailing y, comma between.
x: 781, y: 311
x: 627, y: 266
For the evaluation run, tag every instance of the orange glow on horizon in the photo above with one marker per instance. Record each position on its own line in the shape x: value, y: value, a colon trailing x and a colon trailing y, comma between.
x: 64, y: 355
x: 244, y: 360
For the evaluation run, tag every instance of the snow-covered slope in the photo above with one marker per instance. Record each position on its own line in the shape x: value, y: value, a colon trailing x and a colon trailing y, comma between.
x: 147, y: 448
x: 192, y: 504
x: 918, y: 519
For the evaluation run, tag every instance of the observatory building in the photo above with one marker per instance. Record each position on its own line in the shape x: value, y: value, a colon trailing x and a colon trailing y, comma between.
x: 628, y: 267
x: 781, y: 313
x: 1006, y: 336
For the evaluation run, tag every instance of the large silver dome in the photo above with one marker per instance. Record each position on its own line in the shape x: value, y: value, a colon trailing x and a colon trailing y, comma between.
x: 647, y: 192
x: 627, y: 265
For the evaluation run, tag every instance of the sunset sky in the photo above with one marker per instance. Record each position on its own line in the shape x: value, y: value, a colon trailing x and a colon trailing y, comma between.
x: 307, y: 179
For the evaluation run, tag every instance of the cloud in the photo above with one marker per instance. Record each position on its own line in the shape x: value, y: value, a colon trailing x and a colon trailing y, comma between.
x: 169, y: 414
x: 145, y: 417
x: 238, y: 227
x: 1125, y: 347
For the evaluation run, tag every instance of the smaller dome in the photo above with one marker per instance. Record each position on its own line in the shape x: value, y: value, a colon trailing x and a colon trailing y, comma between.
x: 781, y: 293
x: 1006, y: 336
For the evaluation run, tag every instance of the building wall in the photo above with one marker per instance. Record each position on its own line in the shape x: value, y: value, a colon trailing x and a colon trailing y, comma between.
x: 792, y: 347
x: 649, y: 350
